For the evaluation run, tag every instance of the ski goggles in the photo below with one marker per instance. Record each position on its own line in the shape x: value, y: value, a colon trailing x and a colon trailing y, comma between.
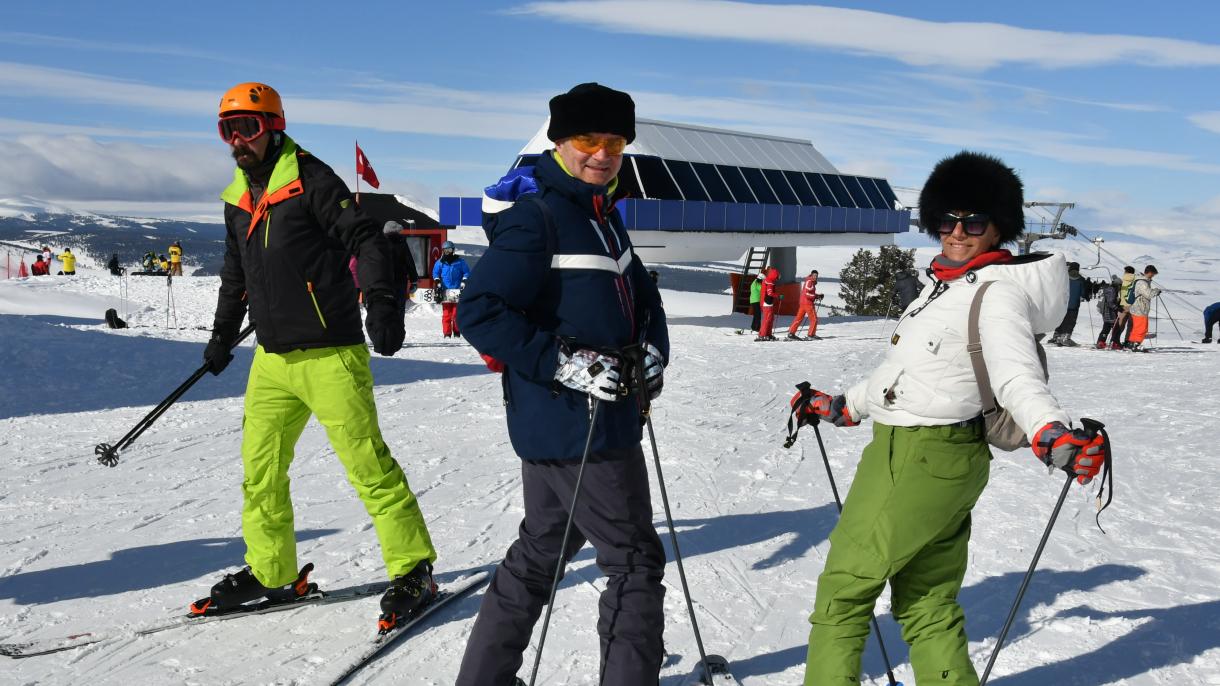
x: 589, y: 144
x: 244, y: 127
x: 973, y: 224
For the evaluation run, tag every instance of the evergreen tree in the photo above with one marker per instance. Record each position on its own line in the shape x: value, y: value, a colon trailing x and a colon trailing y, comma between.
x: 866, y: 284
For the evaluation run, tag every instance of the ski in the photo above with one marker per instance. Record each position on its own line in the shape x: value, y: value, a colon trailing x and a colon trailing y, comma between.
x: 313, y: 597
x: 380, y: 642
x: 721, y: 673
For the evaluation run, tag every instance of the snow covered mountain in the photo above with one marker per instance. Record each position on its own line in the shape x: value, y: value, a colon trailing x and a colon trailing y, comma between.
x: 31, y: 223
x: 89, y: 548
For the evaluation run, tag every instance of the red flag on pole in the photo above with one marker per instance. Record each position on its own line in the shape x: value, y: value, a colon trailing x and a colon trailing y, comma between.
x: 364, y: 169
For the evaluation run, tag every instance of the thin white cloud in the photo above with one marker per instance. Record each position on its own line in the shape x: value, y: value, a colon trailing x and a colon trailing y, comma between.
x: 79, y: 168
x: 42, y: 40
x: 15, y: 127
x: 482, y: 119
x: 1208, y: 121
x: 964, y: 45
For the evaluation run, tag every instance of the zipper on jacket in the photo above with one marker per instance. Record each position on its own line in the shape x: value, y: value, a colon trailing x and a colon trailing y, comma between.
x: 309, y: 287
x: 267, y: 240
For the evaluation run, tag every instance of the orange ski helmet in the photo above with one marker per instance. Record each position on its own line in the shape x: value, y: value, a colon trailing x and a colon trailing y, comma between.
x: 254, y: 97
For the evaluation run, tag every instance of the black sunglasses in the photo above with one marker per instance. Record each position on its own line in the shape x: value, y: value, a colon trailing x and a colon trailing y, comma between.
x: 973, y: 224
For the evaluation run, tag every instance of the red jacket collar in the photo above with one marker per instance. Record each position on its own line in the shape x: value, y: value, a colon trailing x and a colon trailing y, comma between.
x: 948, y: 273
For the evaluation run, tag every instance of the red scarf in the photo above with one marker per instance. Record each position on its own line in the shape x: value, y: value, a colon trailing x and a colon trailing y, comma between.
x: 948, y: 273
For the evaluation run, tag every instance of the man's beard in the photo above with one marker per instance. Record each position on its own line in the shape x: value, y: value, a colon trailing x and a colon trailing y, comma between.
x: 239, y: 151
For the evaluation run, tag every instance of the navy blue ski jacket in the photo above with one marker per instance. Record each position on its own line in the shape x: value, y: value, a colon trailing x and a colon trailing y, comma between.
x: 522, y: 299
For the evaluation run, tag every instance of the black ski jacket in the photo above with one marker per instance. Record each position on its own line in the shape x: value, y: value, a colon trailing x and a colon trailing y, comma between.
x: 286, y: 257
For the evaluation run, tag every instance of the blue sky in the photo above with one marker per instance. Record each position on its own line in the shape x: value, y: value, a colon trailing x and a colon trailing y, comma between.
x: 1113, y: 108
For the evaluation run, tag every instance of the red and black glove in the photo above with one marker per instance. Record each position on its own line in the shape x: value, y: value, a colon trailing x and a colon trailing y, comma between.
x: 812, y: 404
x: 1075, y: 451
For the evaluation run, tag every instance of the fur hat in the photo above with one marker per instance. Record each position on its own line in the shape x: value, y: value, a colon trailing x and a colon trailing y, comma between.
x: 973, y: 182
x: 589, y: 108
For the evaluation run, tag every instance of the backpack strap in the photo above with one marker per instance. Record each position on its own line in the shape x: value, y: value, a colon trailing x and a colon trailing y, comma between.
x: 974, y: 346
x: 548, y: 217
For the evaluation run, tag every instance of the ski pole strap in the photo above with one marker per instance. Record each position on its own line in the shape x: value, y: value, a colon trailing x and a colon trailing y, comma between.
x: 796, y: 417
x: 1107, y: 475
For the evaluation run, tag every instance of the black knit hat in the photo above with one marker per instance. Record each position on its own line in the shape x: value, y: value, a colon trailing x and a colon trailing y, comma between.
x: 973, y: 182
x: 589, y: 108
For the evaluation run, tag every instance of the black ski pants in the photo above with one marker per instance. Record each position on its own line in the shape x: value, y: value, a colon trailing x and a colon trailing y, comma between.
x: 755, y: 316
x: 1068, y: 325
x: 614, y: 513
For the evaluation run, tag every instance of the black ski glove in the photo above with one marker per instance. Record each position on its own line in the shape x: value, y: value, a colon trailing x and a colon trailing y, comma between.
x: 384, y: 324
x: 216, y: 355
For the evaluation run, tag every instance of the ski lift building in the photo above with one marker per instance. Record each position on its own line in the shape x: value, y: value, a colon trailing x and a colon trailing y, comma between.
x: 698, y: 193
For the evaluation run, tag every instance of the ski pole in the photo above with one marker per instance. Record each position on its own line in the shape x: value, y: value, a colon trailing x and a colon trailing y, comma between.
x: 673, y: 539
x: 889, y: 670
x: 567, y: 531
x: 1092, y: 426
x: 108, y: 454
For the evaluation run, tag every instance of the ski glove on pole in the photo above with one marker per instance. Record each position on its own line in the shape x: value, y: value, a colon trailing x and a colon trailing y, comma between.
x: 1075, y: 451
x: 819, y: 405
x: 216, y: 355
x: 589, y: 371
x: 384, y: 323
x: 654, y: 372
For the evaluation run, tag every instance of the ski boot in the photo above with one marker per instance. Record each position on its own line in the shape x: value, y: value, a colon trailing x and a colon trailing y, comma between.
x: 406, y: 595
x: 1067, y: 342
x: 793, y: 337
x: 240, y: 588
x: 1207, y: 340
x: 1116, y: 346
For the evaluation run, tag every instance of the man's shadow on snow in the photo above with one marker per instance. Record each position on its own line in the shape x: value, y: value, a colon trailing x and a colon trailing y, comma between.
x: 132, y: 569
x: 801, y: 529
x: 987, y: 604
x: 58, y: 369
x: 1166, y: 637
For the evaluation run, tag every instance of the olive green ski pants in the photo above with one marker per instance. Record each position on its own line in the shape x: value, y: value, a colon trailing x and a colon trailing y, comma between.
x: 906, y: 520
x: 336, y: 385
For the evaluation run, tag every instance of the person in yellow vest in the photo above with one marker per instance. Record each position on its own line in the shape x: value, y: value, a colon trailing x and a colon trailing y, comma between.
x: 69, y: 262
x: 175, y: 259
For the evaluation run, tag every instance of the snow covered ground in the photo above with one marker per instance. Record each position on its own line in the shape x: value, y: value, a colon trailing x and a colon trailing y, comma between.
x: 85, y: 547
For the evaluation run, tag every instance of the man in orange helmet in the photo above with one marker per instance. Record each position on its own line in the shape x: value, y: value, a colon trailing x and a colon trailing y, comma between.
x: 291, y: 226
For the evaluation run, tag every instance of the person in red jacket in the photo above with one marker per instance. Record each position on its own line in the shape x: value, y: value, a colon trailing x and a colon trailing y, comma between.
x: 809, y: 308
x: 40, y: 268
x: 769, y: 302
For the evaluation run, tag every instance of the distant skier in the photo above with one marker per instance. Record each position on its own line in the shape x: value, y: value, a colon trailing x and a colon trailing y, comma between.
x: 450, y: 272
x: 1141, y: 297
x: 907, y: 287
x: 175, y: 258
x: 1107, y: 305
x: 809, y: 308
x: 906, y: 520
x: 1211, y: 317
x: 291, y: 223
x: 401, y: 262
x: 770, y: 303
x: 40, y: 267
x: 113, y: 265
x: 756, y: 301
x: 1077, y: 290
x: 552, y: 322
x: 68, y: 260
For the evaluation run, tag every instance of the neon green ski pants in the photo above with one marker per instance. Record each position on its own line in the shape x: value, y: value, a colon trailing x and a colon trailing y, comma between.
x: 906, y: 520
x: 336, y: 385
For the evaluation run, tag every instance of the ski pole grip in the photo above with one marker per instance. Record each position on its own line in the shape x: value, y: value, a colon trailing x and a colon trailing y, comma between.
x: 1091, y: 425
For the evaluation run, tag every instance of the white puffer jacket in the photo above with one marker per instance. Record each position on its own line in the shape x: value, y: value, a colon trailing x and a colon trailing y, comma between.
x: 927, y: 379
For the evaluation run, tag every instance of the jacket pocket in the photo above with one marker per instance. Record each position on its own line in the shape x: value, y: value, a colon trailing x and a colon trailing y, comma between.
x: 314, y: 300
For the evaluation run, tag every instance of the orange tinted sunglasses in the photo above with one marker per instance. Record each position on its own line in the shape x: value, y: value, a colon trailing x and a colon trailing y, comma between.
x: 589, y: 145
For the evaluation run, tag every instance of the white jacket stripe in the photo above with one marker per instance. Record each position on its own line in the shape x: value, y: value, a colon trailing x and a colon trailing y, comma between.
x: 598, y: 262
